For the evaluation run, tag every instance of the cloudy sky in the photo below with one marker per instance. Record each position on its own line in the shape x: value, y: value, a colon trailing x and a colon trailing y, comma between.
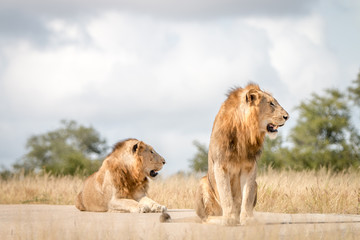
x: 159, y: 70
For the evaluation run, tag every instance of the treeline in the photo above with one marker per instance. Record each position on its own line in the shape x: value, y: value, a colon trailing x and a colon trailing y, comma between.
x: 325, y: 135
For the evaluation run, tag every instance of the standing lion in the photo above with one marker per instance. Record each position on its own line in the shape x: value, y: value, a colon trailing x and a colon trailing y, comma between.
x: 122, y: 181
x: 229, y: 189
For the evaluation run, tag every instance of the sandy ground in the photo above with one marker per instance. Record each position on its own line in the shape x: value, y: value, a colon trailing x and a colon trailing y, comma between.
x: 66, y: 222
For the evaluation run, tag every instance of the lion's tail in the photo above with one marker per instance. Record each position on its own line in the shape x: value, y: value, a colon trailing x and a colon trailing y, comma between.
x: 165, y: 218
x: 79, y: 203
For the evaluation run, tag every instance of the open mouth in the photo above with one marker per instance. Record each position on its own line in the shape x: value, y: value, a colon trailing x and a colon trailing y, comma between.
x: 272, y: 128
x: 153, y: 173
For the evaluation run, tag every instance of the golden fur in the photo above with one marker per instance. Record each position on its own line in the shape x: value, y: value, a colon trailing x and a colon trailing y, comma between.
x: 229, y: 188
x: 121, y: 183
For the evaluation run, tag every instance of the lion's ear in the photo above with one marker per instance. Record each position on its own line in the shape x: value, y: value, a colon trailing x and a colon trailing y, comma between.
x: 135, y: 147
x: 252, y: 96
x: 138, y: 146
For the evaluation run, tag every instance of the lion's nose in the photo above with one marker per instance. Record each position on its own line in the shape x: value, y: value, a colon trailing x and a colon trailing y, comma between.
x: 163, y: 161
x: 286, y: 117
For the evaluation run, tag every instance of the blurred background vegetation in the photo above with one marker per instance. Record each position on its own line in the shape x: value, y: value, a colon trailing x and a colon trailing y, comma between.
x: 326, y: 135
x: 72, y: 149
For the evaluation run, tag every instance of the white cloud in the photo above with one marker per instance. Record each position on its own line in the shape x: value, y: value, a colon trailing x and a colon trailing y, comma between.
x: 299, y: 54
x: 61, y: 31
x: 177, y: 61
x: 39, y: 80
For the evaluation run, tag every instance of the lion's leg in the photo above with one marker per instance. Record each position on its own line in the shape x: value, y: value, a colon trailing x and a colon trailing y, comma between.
x: 222, y: 179
x: 126, y: 205
x: 237, y: 196
x: 206, y: 203
x: 248, y: 188
x: 79, y: 203
x: 152, y: 205
x: 255, y: 200
x: 200, y: 199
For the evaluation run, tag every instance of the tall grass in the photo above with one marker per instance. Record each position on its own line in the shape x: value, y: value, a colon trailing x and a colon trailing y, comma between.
x: 283, y: 192
x: 39, y: 189
x: 309, y: 192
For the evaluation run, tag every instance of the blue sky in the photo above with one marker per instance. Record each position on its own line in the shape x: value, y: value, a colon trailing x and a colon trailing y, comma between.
x: 159, y: 70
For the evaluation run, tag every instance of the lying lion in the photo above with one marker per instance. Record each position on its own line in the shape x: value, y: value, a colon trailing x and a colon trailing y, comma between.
x: 227, y: 194
x: 122, y: 181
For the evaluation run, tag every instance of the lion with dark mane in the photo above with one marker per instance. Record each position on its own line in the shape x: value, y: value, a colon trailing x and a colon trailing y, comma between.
x: 122, y: 181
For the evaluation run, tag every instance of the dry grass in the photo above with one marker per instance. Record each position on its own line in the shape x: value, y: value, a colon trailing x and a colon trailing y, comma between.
x: 177, y: 191
x: 285, y: 192
x: 41, y: 189
x: 309, y: 192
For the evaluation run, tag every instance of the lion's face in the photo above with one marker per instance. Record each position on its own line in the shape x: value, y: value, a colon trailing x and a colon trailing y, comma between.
x: 271, y: 114
x: 149, y: 160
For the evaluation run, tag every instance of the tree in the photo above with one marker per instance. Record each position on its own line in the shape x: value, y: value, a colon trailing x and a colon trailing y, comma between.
x: 70, y: 149
x: 199, y: 163
x: 354, y: 95
x: 354, y: 92
x: 323, y: 135
x: 274, y: 154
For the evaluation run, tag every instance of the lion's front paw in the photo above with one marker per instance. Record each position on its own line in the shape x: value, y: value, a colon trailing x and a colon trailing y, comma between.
x: 163, y: 209
x: 144, y: 209
x: 158, y: 208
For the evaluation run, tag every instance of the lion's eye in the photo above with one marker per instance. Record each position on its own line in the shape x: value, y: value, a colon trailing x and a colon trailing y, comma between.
x: 272, y: 104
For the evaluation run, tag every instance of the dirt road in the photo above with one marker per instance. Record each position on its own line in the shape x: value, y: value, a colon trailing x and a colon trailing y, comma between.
x: 66, y: 222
